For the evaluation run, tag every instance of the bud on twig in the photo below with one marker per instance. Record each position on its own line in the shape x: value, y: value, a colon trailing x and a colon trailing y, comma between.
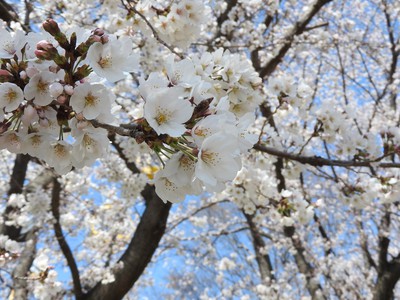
x: 45, y: 50
x: 51, y: 27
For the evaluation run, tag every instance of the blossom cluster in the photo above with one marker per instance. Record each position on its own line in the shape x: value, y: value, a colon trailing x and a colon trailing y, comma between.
x: 200, y: 111
x: 179, y: 23
x: 49, y: 94
x: 196, y: 115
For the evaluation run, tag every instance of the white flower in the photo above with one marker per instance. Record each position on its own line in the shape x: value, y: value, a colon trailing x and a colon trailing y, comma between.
x: 180, y: 169
x: 38, y: 88
x: 167, y: 112
x: 112, y: 59
x: 216, y: 159
x: 155, y: 82
x: 59, y: 157
x: 91, y: 144
x: 90, y: 99
x: 168, y: 190
x: 37, y: 144
x: 181, y: 73
x: 9, y: 45
x: 12, y: 141
x: 11, y: 96
x: 213, y: 124
x: 41, y: 262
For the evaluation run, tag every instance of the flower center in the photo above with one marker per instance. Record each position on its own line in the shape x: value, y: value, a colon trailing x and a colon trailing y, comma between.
x: 42, y: 86
x: 210, y: 158
x: 60, y: 151
x: 162, y: 117
x: 90, y: 100
x: 201, y: 131
x: 36, y: 140
x: 105, y: 62
x: 11, y: 95
x: 186, y: 163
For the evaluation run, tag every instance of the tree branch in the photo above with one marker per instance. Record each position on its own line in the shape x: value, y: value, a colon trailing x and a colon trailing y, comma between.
x: 140, y: 250
x: 318, y: 161
x: 297, y: 29
x: 66, y: 250
x: 263, y: 260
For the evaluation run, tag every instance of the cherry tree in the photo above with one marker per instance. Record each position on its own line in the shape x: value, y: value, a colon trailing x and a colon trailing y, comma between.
x: 196, y: 149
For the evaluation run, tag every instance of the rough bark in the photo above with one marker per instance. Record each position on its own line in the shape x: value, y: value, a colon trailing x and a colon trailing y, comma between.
x: 140, y: 250
x: 16, y: 187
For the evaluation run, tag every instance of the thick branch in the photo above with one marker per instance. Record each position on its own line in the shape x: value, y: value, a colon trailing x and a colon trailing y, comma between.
x: 140, y: 250
x: 16, y: 186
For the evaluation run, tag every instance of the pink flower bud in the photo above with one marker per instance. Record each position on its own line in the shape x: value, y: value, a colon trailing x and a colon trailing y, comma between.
x: 4, y: 73
x: 98, y: 32
x: 69, y: 90
x: 62, y: 99
x: 44, y: 45
x: 51, y: 27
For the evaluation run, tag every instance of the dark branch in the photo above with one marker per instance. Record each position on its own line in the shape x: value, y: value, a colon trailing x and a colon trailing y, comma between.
x: 298, y: 29
x: 66, y: 250
x: 320, y: 161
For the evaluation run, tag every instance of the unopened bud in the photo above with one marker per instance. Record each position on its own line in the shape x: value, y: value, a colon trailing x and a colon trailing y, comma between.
x: 51, y: 27
x: 72, y: 40
x: 98, y: 32
x: 61, y: 99
x: 68, y: 89
x: 104, y: 39
x: 5, y: 76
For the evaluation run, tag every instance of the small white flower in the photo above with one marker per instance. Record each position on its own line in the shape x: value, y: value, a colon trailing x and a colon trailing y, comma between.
x: 12, y: 141
x: 59, y: 157
x: 90, y: 99
x: 10, y: 45
x: 112, y: 59
x: 91, y: 144
x: 168, y: 190
x: 167, y: 112
x: 38, y: 88
x: 11, y: 96
x: 216, y: 159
